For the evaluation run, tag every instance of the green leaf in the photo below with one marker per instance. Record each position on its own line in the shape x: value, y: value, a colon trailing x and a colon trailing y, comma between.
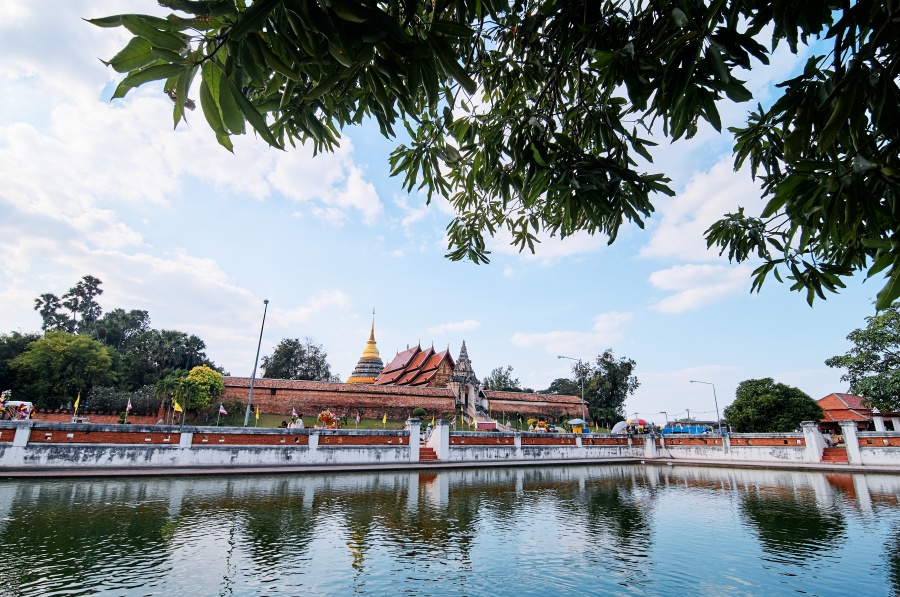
x: 256, y: 120
x: 140, y: 25
x: 210, y: 106
x: 252, y: 18
x: 136, y: 54
x: 448, y: 60
x: 736, y: 92
x: 150, y: 73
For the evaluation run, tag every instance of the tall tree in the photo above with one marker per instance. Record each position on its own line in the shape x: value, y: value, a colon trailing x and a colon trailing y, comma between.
x: 608, y: 383
x: 502, y: 379
x: 119, y: 328
x: 563, y: 386
x: 293, y: 359
x: 60, y: 366
x: 762, y: 406
x: 529, y: 116
x: 11, y: 346
x: 48, y: 306
x: 873, y: 364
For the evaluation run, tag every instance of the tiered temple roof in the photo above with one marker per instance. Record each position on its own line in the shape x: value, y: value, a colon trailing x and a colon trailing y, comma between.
x: 370, y: 364
x: 417, y: 367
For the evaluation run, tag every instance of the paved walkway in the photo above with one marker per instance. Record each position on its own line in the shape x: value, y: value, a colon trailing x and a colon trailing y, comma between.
x: 427, y: 466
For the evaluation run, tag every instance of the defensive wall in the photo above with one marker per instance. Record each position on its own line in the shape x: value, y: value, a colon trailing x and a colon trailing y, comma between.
x: 309, y: 397
x: 39, y: 445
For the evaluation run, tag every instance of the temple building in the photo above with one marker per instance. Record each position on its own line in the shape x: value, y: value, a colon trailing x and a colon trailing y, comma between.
x: 370, y: 364
x: 417, y: 367
x: 415, y: 378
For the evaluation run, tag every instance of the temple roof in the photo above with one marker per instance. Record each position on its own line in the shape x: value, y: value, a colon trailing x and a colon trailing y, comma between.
x: 370, y: 364
x: 413, y: 367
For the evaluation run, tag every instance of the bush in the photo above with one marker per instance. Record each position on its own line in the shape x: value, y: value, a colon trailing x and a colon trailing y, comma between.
x: 418, y: 412
x: 110, y: 400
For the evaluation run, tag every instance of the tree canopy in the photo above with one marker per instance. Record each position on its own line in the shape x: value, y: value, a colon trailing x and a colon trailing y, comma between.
x: 762, y: 406
x: 607, y: 384
x: 199, y: 387
x: 501, y: 379
x: 57, y: 368
x: 873, y: 364
x: 293, y: 359
x: 533, y: 116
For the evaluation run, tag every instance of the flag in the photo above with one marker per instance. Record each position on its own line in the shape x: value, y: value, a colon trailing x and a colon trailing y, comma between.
x: 294, y: 412
x: 128, y: 408
x: 222, y: 410
x: 384, y: 419
x: 357, y: 417
x: 175, y: 406
x: 77, y: 400
x: 432, y: 420
x: 257, y: 412
x: 453, y: 422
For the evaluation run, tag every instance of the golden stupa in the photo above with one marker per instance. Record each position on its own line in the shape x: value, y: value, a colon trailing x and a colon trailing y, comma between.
x: 370, y: 364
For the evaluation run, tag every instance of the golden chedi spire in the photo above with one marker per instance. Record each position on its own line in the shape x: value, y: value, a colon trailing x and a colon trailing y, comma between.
x: 370, y: 364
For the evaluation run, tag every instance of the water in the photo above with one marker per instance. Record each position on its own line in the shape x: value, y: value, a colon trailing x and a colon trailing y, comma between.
x: 599, y: 530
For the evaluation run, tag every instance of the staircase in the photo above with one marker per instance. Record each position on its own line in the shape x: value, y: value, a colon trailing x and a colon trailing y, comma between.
x: 427, y: 454
x: 835, y: 456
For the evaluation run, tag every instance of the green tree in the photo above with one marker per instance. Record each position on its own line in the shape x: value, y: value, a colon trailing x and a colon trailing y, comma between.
x: 763, y: 406
x: 529, y: 116
x: 119, y: 328
x: 197, y: 389
x: 293, y: 359
x: 608, y: 383
x: 873, y: 364
x: 11, y: 346
x: 562, y: 386
x: 502, y: 379
x: 60, y: 366
x: 48, y: 305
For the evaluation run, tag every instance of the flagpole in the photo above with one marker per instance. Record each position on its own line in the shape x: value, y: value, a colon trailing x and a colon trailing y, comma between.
x: 218, y: 416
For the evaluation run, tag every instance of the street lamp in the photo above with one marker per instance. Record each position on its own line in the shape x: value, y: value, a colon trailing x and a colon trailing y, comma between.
x: 581, y: 374
x: 716, y: 400
x: 253, y: 377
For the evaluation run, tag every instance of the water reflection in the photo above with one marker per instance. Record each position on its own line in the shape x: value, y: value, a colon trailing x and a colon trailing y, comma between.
x: 532, y: 531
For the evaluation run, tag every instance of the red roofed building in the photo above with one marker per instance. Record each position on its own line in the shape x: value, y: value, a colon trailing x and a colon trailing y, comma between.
x: 417, y: 367
x: 844, y: 407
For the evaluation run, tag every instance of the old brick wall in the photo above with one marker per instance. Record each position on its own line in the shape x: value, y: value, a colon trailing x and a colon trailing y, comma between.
x: 278, y: 396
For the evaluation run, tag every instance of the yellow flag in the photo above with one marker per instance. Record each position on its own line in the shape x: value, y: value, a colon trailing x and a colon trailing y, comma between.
x: 257, y: 412
x: 176, y: 407
x: 432, y: 420
x: 384, y: 419
x: 77, y: 400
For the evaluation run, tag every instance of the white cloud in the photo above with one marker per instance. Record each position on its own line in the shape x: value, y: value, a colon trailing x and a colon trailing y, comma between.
x: 698, y: 285
x: 605, y: 332
x: 684, y: 218
x: 454, y: 326
x: 551, y: 249
x: 325, y: 300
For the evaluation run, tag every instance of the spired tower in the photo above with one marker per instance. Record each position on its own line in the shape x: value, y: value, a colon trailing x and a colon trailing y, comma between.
x: 370, y: 364
x: 463, y: 380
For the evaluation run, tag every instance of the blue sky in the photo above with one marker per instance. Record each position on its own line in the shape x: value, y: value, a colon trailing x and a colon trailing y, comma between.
x: 176, y: 225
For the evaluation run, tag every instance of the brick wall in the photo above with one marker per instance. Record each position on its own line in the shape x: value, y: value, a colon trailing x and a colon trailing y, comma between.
x: 280, y: 396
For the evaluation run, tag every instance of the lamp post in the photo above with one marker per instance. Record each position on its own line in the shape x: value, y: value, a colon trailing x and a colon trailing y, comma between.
x: 253, y: 377
x: 581, y: 375
x: 715, y: 399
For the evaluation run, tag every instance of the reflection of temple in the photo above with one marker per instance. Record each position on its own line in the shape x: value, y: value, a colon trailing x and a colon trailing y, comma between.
x: 414, y: 378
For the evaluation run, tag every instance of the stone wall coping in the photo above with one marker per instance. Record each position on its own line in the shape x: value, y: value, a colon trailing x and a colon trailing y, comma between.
x: 353, y: 388
x: 196, y: 429
x: 878, y: 433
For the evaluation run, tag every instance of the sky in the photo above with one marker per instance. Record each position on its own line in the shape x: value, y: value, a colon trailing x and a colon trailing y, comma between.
x: 174, y: 224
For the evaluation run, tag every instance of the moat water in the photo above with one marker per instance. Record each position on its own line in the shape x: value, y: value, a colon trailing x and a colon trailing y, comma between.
x: 598, y: 530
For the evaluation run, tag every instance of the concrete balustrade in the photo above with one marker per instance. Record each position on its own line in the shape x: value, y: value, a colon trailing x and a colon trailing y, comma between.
x: 40, y: 445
